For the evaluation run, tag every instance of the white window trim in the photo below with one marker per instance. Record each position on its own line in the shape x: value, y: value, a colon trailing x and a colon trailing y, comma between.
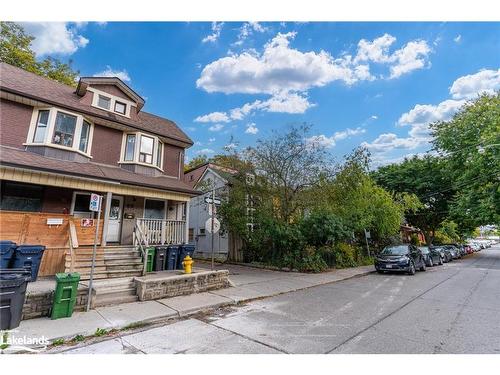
x: 73, y: 201
x: 137, y: 148
x: 47, y: 142
x: 113, y: 99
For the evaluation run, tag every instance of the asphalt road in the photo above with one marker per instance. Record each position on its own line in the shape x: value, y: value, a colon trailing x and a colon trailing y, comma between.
x: 454, y: 308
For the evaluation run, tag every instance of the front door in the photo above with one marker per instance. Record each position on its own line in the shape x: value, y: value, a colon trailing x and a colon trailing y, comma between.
x: 115, y: 219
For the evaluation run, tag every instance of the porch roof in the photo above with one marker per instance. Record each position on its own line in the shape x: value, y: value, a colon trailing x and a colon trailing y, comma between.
x: 14, y: 157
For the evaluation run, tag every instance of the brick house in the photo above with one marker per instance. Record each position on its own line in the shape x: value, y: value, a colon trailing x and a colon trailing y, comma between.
x: 59, y: 143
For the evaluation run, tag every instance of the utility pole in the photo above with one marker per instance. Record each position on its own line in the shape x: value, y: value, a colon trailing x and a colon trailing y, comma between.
x: 213, y: 217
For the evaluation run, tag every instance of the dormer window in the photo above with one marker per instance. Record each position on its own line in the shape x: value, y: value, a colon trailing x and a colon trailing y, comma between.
x: 59, y: 128
x: 120, y: 107
x: 104, y: 102
x: 140, y: 148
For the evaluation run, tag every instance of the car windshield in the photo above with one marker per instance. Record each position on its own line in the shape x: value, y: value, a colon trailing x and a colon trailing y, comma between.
x: 395, y: 250
x: 424, y: 249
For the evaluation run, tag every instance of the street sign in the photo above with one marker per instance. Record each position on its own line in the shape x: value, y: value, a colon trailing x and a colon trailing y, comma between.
x: 208, y: 225
x: 212, y: 212
x: 214, y: 201
x: 94, y: 202
x: 368, y: 234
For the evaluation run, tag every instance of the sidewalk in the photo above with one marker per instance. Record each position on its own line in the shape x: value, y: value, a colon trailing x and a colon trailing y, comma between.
x: 248, y: 284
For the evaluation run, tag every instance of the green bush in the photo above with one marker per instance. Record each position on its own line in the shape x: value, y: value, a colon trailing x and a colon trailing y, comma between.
x: 322, y: 228
x: 345, y: 255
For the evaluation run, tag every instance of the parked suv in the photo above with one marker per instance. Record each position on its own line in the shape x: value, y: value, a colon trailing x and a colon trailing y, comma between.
x: 455, y: 253
x: 444, y: 252
x: 400, y: 258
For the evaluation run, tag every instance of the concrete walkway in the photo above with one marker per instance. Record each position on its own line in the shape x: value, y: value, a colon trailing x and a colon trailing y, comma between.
x: 248, y: 284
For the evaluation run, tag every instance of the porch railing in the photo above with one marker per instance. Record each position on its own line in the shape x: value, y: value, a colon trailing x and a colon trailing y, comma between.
x: 141, y: 243
x: 161, y: 232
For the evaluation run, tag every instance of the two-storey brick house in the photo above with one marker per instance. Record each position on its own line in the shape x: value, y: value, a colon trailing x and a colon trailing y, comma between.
x: 59, y: 144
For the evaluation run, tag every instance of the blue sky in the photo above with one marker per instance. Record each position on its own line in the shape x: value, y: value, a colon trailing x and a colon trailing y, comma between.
x: 375, y: 84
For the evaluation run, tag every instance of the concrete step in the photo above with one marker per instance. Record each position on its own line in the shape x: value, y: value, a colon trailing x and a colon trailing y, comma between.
x: 114, y: 300
x: 111, y: 274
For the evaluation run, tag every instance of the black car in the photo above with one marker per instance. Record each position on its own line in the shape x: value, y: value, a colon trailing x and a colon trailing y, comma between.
x: 444, y: 252
x: 432, y: 257
x: 401, y: 258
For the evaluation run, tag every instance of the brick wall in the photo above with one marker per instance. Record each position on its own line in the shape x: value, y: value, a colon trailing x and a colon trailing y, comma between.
x: 151, y: 288
x: 14, y: 123
x: 39, y: 304
x: 106, y: 145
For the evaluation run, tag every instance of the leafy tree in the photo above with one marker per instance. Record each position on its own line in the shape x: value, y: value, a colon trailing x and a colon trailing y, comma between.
x: 429, y: 180
x: 196, y: 161
x: 15, y: 49
x: 470, y: 141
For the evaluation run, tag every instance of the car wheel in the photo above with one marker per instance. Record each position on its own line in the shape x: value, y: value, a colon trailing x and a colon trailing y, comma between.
x: 411, y: 270
x: 431, y: 262
x: 423, y: 268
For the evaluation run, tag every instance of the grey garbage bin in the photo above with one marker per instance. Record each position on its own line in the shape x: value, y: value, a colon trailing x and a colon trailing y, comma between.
x: 30, y: 257
x: 6, y: 252
x: 160, y: 257
x: 12, y: 295
x: 172, y: 255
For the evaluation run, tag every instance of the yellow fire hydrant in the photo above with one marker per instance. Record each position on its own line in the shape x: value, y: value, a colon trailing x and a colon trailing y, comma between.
x: 187, y: 264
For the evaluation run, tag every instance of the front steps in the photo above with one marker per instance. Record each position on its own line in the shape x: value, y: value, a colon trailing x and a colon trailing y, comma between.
x: 110, y: 262
x: 114, y: 292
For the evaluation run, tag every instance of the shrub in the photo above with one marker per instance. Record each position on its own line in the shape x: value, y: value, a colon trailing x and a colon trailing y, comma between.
x: 345, y: 255
x: 322, y: 228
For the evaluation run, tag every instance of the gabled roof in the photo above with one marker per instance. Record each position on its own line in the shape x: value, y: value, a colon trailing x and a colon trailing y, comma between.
x: 17, y: 81
x: 85, y: 82
x: 194, y: 175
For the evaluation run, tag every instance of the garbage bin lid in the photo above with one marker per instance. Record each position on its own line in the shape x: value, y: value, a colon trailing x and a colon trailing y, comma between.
x: 71, y: 276
x: 30, y: 249
x: 11, y: 279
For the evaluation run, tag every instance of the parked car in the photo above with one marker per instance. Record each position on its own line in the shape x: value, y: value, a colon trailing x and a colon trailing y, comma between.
x: 455, y: 254
x: 432, y: 257
x: 444, y: 252
x: 469, y: 249
x: 461, y: 250
x: 400, y: 258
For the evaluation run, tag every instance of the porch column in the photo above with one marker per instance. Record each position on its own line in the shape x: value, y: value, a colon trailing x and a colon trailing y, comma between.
x: 106, y: 218
x: 186, y: 240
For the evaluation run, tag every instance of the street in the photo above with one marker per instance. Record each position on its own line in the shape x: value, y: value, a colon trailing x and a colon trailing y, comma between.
x: 454, y: 308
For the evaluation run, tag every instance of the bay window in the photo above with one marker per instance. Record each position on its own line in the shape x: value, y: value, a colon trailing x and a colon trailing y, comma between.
x: 140, y: 148
x: 58, y: 128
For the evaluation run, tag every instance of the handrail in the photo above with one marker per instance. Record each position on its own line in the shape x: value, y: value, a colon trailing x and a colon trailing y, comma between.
x: 138, y: 237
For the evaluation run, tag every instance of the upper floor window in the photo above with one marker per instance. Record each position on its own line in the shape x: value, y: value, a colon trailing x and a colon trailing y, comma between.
x: 57, y: 128
x: 142, y: 149
x: 110, y: 102
x: 104, y: 102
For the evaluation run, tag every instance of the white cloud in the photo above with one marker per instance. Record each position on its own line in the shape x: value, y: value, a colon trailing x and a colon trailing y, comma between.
x: 108, y: 72
x: 205, y: 151
x: 427, y: 113
x: 458, y: 38
x: 389, y: 141
x: 376, y: 50
x: 251, y: 128
x: 469, y: 86
x: 216, y: 127
x: 329, y: 142
x: 213, y: 117
x: 247, y: 29
x: 374, y: 117
x: 211, y: 140
x: 55, y: 37
x: 216, y: 30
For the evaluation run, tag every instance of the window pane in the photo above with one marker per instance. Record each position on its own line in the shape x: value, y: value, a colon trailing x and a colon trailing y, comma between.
x: 84, y: 138
x: 21, y: 197
x: 158, y: 155
x: 41, y: 126
x: 146, y: 151
x: 120, y: 107
x: 64, y: 130
x: 103, y: 102
x: 154, y: 209
x: 82, y: 203
x: 130, y: 147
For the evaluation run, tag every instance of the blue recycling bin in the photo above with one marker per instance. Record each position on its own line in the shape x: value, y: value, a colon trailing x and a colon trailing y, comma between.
x: 184, y: 251
x: 172, y: 256
x: 29, y: 257
x: 6, y: 252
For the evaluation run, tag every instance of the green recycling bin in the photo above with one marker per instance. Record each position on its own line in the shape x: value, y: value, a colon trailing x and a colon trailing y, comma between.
x: 65, y: 294
x: 150, y: 254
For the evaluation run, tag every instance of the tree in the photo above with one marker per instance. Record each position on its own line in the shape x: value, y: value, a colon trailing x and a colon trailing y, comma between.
x: 470, y: 142
x: 15, y: 49
x: 428, y: 179
x: 196, y: 162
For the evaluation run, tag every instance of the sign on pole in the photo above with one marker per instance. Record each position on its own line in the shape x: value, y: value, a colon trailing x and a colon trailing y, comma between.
x: 94, y: 202
x: 214, y: 200
x: 95, y: 205
x: 208, y: 225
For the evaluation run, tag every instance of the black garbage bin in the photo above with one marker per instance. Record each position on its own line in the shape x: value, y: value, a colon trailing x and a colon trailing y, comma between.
x: 172, y: 256
x: 12, y: 295
x: 184, y: 251
x: 30, y: 257
x: 160, y: 257
x: 6, y: 252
